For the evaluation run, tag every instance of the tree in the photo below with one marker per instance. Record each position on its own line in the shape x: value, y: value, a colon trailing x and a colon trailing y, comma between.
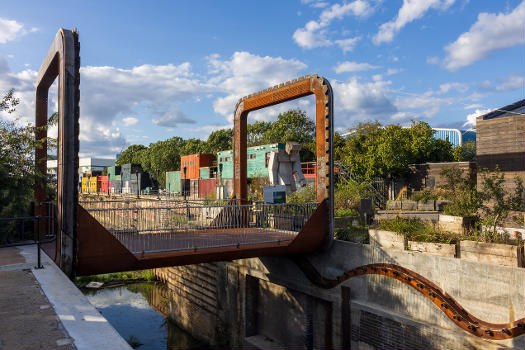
x: 18, y: 173
x: 193, y: 146
x: 466, y: 152
x: 131, y: 155
x: 256, y: 133
x: 373, y: 151
x: 293, y: 125
x: 219, y: 140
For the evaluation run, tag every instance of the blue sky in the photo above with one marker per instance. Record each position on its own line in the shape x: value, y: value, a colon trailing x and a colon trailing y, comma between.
x: 153, y: 70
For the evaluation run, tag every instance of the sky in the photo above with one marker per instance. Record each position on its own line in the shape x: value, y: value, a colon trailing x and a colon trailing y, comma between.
x: 154, y: 70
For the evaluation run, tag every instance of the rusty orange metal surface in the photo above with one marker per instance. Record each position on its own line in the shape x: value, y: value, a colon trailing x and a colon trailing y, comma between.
x: 62, y: 61
x: 445, y: 303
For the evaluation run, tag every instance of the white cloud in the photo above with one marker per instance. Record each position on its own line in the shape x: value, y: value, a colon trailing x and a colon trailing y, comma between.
x: 173, y: 118
x: 473, y: 106
x: 491, y: 32
x: 409, y: 12
x: 433, y: 60
x: 313, y: 34
x: 392, y: 71
x: 349, y: 66
x: 348, y: 44
x: 129, y: 121
x: 512, y: 82
x: 471, y: 118
x: 245, y: 73
x: 11, y: 30
x: 357, y: 101
x: 447, y: 87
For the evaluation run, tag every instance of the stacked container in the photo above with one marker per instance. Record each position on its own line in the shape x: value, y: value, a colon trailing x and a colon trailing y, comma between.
x: 173, y: 182
x: 191, y: 164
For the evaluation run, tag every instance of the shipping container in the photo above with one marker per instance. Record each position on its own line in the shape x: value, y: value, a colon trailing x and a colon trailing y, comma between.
x: 102, y: 184
x: 204, y: 173
x: 189, y: 165
x: 116, y: 186
x: 207, y: 188
x: 126, y: 170
x: 173, y: 181
x: 256, y: 162
x: 85, y: 185
x: 112, y: 172
x: 93, y: 185
x: 194, y: 189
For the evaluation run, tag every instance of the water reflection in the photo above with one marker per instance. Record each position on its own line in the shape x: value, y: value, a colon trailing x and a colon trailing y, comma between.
x: 138, y: 312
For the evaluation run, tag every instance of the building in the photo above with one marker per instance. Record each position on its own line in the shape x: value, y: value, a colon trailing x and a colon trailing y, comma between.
x: 456, y: 137
x: 85, y: 165
x: 501, y: 142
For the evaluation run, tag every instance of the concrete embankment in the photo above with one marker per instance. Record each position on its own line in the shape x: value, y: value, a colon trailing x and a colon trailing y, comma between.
x: 268, y: 303
x: 42, y: 308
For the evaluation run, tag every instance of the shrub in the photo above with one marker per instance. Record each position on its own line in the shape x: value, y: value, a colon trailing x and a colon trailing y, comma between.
x: 356, y: 234
x: 346, y: 212
x: 348, y: 194
x: 424, y: 196
x: 461, y: 192
x: 303, y: 195
x: 417, y: 230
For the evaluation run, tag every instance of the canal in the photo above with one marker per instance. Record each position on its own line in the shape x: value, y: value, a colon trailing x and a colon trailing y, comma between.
x: 138, y: 311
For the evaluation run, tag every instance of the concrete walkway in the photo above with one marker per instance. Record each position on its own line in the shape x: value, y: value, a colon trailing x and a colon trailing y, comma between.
x: 43, y: 309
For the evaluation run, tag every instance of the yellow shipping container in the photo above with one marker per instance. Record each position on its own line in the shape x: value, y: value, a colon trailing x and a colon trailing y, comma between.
x: 85, y: 185
x: 93, y: 184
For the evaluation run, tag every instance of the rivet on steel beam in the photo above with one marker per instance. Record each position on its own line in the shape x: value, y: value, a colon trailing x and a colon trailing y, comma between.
x: 408, y: 278
x: 432, y: 295
x: 444, y: 305
x: 506, y: 331
x: 488, y: 331
x: 396, y: 273
x: 472, y: 328
x: 419, y: 285
x: 520, y: 325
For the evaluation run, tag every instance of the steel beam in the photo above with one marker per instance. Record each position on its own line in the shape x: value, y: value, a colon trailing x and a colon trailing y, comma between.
x: 62, y: 61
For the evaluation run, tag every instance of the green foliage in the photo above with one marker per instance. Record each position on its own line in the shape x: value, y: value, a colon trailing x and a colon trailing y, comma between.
x: 376, y: 152
x: 143, y: 275
x: 461, y: 192
x: 497, y: 203
x: 131, y: 155
x: 464, y: 153
x: 417, y: 230
x: 424, y: 196
x: 220, y: 140
x: 348, y: 194
x: 345, y: 212
x: 256, y: 133
x: 303, y: 195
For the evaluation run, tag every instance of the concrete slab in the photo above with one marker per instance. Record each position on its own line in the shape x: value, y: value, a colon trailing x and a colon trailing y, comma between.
x: 85, y: 325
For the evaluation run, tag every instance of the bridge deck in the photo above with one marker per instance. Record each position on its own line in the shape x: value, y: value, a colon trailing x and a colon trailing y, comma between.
x: 202, y: 239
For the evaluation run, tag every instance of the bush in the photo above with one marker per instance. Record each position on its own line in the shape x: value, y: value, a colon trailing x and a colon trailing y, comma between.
x: 461, y: 192
x: 424, y: 196
x: 346, y: 212
x: 356, y: 234
x: 348, y: 195
x: 303, y: 195
x: 417, y: 230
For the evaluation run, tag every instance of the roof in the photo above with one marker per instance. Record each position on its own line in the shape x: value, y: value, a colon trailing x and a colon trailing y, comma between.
x: 518, y: 107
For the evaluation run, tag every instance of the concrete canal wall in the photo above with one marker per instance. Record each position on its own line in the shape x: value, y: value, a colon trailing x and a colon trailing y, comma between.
x: 268, y: 303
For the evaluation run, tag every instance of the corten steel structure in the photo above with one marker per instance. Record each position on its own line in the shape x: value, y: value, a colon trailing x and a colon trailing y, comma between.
x: 62, y: 61
x: 100, y: 251
x: 324, y: 130
x: 84, y: 246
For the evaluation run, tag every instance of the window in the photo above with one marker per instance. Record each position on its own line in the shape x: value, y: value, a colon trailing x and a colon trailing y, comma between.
x: 252, y: 156
x: 266, y: 159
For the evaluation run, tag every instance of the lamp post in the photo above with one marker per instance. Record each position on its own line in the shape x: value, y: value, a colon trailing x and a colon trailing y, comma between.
x: 137, y: 182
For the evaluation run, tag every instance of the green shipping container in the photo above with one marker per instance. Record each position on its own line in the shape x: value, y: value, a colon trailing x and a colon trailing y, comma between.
x: 117, y: 178
x: 204, y: 173
x: 257, y: 162
x: 173, y: 181
x: 112, y: 172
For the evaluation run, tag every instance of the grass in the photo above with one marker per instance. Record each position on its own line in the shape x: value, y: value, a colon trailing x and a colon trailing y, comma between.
x: 143, y: 275
x: 417, y: 230
x: 356, y: 234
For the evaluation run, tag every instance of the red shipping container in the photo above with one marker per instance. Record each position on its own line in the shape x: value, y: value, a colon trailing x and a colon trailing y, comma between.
x: 103, y: 183
x: 192, y: 163
x: 207, y: 187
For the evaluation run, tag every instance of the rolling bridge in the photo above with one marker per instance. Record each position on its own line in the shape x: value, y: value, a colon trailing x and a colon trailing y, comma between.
x: 111, y: 236
x: 100, y: 237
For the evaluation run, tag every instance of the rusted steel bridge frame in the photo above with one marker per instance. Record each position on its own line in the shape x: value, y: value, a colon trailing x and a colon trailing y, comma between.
x: 324, y: 131
x: 62, y: 61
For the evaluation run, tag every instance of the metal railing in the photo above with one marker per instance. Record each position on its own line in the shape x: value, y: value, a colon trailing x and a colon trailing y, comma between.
x: 40, y: 229
x: 180, y: 225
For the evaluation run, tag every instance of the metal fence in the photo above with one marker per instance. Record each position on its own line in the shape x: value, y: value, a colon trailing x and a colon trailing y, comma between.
x: 144, y: 226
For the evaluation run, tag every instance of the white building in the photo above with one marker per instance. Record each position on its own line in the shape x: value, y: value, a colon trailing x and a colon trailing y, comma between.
x: 85, y: 165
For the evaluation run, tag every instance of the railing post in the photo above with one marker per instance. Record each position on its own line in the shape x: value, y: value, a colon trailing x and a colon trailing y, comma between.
x: 39, y: 263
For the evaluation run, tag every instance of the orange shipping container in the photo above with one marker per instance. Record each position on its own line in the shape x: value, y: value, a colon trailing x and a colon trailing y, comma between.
x: 192, y: 163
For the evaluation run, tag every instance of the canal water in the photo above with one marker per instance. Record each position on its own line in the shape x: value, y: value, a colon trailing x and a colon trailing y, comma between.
x: 138, y: 312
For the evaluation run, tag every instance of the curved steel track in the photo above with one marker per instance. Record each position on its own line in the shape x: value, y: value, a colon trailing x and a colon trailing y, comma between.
x: 448, y: 305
